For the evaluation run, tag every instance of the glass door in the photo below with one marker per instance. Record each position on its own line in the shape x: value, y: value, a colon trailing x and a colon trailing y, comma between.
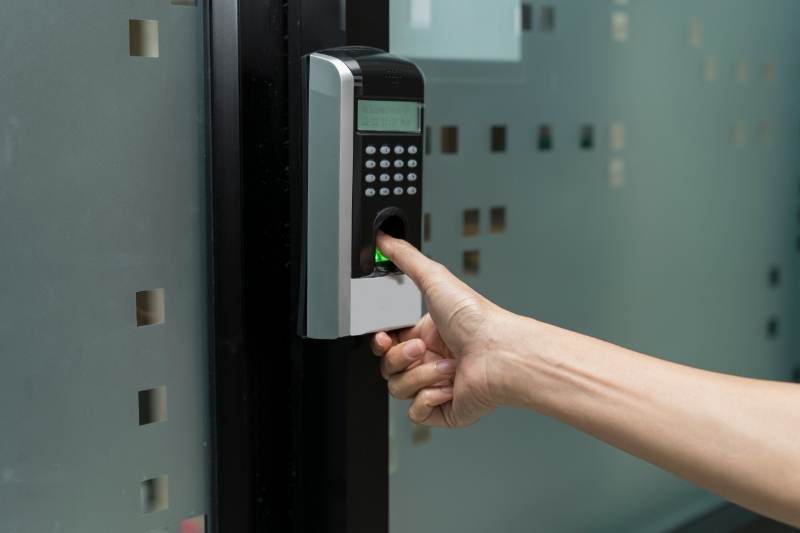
x: 624, y: 169
x: 104, y: 393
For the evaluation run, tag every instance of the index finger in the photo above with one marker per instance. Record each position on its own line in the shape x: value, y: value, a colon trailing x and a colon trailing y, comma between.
x: 407, y: 258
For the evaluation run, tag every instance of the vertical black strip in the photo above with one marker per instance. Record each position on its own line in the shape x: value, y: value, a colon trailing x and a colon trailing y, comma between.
x: 301, y: 440
x: 368, y: 23
x: 230, y: 410
x: 273, y: 367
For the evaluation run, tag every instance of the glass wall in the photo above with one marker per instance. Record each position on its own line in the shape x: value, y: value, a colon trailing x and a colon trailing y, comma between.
x: 103, y: 298
x: 625, y: 169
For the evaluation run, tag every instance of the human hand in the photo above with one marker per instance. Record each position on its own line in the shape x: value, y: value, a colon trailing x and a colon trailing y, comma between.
x: 448, y: 363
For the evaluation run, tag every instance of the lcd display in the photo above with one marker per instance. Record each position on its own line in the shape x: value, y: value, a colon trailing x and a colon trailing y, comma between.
x: 388, y: 115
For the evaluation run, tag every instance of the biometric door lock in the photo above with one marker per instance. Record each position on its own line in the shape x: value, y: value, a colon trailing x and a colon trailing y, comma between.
x: 363, y: 172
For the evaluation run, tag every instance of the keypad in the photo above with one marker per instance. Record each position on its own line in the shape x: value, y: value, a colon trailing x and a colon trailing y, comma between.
x: 403, y: 158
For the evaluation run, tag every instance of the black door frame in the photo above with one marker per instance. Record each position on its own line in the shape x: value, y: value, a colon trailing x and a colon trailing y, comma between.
x: 300, y: 427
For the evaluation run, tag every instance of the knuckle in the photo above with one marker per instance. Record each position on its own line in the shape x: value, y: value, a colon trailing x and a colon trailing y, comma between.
x: 439, y: 269
x: 394, y: 362
x: 427, y: 396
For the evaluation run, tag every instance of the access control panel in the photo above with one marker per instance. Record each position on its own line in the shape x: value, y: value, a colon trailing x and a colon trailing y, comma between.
x: 389, y: 170
x: 363, y: 173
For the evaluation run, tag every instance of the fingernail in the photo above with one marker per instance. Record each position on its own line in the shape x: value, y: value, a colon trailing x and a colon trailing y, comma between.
x: 446, y: 366
x: 413, y: 349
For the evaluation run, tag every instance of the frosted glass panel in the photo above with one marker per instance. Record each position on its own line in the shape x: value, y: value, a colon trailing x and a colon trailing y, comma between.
x: 456, y: 29
x: 631, y: 173
x: 103, y: 300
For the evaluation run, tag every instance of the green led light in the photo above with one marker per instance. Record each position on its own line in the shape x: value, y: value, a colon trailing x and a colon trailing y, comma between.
x: 380, y: 258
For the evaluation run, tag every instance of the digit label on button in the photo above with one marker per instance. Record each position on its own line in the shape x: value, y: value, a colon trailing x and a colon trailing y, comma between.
x: 412, y: 163
x: 411, y: 190
x: 385, y: 163
x: 385, y: 177
x: 398, y: 177
x: 412, y: 176
x: 370, y: 150
x: 412, y: 149
x: 370, y: 163
x: 399, y: 163
x: 385, y: 149
x: 369, y: 178
x: 398, y: 191
x: 384, y: 191
x: 399, y: 150
x: 370, y: 192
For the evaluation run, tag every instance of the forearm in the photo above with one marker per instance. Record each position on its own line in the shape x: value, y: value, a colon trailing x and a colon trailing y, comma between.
x: 737, y: 437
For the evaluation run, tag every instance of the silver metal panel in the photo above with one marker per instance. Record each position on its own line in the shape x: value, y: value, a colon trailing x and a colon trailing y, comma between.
x: 102, y: 195
x: 663, y: 242
x: 329, y: 207
x: 383, y: 303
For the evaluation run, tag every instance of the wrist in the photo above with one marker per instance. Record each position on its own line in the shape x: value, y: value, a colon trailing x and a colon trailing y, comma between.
x: 526, y: 363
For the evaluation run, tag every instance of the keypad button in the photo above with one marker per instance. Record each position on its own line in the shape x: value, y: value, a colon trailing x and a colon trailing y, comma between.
x: 370, y: 163
x: 385, y: 177
x: 370, y: 150
x: 398, y: 191
x: 411, y: 190
x: 412, y: 176
x: 385, y: 191
x: 412, y: 163
x: 399, y: 150
x: 369, y: 192
x: 412, y: 149
x: 399, y: 163
x: 398, y: 177
x: 369, y: 178
x: 385, y: 163
x: 385, y: 150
